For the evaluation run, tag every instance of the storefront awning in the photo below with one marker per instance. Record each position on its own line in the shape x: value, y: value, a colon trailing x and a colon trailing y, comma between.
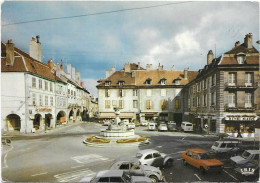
x: 112, y: 115
x: 241, y: 118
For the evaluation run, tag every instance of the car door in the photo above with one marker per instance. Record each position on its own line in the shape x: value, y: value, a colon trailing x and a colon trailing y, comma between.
x: 148, y: 159
x: 125, y: 167
x: 188, y: 157
x: 158, y: 160
x: 195, y: 160
x: 135, y: 169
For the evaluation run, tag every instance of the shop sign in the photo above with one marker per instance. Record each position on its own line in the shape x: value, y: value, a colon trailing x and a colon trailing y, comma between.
x: 240, y: 118
x: 247, y: 171
x: 43, y: 109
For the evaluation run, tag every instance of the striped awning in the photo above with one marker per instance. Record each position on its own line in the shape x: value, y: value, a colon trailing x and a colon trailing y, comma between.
x: 112, y: 115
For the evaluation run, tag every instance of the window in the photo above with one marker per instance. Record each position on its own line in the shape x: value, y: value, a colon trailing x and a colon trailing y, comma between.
x: 107, y: 104
x: 193, y: 102
x: 148, y: 104
x: 121, y: 93
x: 156, y: 155
x: 205, y: 100
x: 248, y: 99
x: 198, y: 101
x: 241, y: 58
x: 121, y: 83
x: 107, y: 83
x: 148, y: 93
x: 40, y: 98
x: 248, y: 79
x: 46, y: 85
x: 124, y: 166
x: 213, y: 98
x: 231, y: 100
x: 51, y: 101
x: 33, y: 99
x: 46, y: 100
x: 232, y: 79
x: 148, y: 81
x: 68, y: 91
x: 40, y: 84
x: 177, y: 104
x: 205, y: 84
x: 135, y: 104
x: 121, y: 104
x: 163, y: 81
x: 163, y: 104
x: 114, y: 103
x: 51, y: 87
x: 163, y: 92
x: 107, y: 93
x: 134, y: 92
x: 34, y: 82
x: 213, y: 80
x: 149, y: 156
x: 177, y: 81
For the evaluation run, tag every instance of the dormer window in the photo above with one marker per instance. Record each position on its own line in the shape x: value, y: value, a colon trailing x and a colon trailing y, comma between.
x: 107, y: 83
x: 177, y: 81
x: 163, y: 81
x: 121, y: 83
x: 241, y: 57
x: 148, y: 81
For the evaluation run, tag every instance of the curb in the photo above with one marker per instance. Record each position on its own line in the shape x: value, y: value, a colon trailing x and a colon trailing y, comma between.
x: 90, y: 144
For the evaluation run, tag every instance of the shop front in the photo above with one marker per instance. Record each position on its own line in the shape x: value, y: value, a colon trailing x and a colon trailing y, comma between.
x: 244, y: 124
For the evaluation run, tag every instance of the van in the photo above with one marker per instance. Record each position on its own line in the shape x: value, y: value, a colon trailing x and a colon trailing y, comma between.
x: 152, y: 126
x: 186, y: 126
x: 223, y: 146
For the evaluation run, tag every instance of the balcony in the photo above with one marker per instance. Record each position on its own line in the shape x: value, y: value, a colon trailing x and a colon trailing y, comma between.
x: 241, y: 85
x: 241, y: 108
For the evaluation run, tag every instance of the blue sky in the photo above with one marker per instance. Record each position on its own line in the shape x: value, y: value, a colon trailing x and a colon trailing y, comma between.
x: 176, y: 34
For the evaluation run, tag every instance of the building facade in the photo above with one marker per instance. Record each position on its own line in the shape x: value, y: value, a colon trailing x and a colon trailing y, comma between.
x: 224, y: 97
x: 143, y: 94
x: 34, y: 94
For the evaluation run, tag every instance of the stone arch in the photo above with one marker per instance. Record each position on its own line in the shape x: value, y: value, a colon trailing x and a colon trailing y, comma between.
x: 13, y: 122
x: 71, y: 114
x: 61, y: 117
x: 37, y: 121
x: 79, y: 115
x: 48, y: 118
x: 85, y: 115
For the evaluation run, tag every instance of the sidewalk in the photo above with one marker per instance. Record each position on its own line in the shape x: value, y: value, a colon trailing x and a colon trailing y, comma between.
x: 39, y: 132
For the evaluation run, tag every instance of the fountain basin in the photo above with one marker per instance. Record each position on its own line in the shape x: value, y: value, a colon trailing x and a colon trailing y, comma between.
x: 117, y: 133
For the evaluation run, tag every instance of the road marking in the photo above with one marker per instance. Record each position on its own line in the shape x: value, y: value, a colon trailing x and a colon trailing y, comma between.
x: 158, y: 146
x: 39, y: 174
x: 5, y: 157
x: 231, y: 175
x: 183, y: 138
x: 179, y: 159
x: 72, y: 175
x: 89, y: 158
x: 197, y: 176
x: 77, y: 166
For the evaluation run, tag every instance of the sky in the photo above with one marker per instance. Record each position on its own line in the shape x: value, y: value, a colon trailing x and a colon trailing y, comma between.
x: 97, y: 35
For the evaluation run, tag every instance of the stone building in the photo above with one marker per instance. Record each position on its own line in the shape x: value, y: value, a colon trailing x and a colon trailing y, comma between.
x: 143, y: 94
x: 224, y: 97
x: 34, y: 94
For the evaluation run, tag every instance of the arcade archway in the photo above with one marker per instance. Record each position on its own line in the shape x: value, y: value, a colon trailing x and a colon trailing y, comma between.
x: 13, y: 122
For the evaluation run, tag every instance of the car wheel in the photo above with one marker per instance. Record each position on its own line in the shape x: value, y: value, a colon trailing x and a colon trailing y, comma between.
x: 184, y: 162
x: 153, y: 178
x: 202, y: 170
x: 169, y: 163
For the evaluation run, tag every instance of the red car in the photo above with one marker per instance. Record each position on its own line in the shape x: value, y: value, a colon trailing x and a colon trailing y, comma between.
x: 199, y: 158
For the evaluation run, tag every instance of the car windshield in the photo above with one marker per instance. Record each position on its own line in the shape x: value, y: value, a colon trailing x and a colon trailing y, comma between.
x: 245, y: 154
x: 216, y: 144
x: 188, y: 124
x: 139, y: 155
x: 203, y: 156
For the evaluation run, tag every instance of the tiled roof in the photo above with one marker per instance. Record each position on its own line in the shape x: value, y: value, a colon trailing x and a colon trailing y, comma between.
x: 28, y: 65
x: 242, y: 48
x: 232, y: 60
x: 140, y: 76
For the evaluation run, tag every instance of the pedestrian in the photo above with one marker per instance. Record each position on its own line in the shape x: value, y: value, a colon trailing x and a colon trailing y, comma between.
x: 239, y: 134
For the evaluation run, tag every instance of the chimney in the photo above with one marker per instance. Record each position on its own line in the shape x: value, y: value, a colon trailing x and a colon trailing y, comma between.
x: 9, y: 52
x: 173, y: 68
x: 248, y: 40
x: 35, y: 50
x: 127, y: 67
x: 185, y: 73
x: 50, y: 64
x: 139, y: 67
x: 78, y: 76
x: 210, y: 57
x: 82, y: 84
x: 160, y: 67
x: 148, y: 67
x: 109, y: 72
x: 237, y: 44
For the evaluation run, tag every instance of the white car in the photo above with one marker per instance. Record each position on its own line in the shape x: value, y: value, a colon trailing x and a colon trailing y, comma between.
x: 107, y: 123
x: 187, y: 126
x: 162, y: 127
x: 130, y: 126
x: 152, y: 126
x: 143, y: 123
x: 154, y: 158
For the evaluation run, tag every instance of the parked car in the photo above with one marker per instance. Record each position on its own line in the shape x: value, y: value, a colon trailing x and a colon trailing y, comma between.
x: 130, y: 126
x: 245, y: 144
x: 224, y: 146
x: 171, y: 125
x: 107, y: 123
x: 152, y: 126
x: 162, y: 127
x: 140, y: 179
x: 199, y: 158
x: 154, y: 158
x: 186, y: 126
x: 248, y: 172
x: 108, y: 176
x: 246, y: 157
x: 133, y: 167
x: 143, y: 123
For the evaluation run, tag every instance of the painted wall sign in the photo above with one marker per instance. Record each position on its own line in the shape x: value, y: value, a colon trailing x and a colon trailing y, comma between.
x: 43, y: 110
